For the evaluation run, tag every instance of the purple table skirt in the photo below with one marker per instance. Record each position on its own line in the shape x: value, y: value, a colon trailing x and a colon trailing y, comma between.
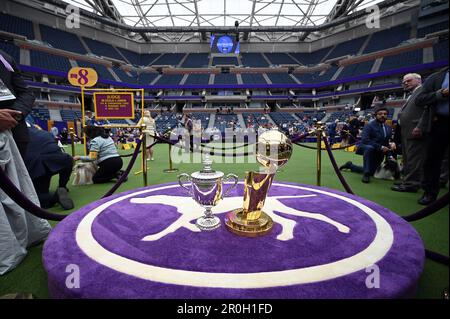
x: 144, y: 244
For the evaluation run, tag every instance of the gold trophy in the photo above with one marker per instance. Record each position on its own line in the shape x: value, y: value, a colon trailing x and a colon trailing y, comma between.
x: 273, y: 151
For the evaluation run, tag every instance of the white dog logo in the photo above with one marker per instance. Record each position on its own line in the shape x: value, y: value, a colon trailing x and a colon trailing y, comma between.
x: 191, y: 210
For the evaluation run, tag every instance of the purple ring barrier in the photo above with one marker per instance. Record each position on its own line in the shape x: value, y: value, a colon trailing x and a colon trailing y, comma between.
x: 144, y: 243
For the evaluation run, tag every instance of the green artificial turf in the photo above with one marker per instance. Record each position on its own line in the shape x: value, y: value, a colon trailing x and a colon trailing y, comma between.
x: 30, y: 276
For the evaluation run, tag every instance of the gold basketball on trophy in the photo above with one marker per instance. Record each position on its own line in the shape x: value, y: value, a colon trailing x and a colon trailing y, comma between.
x: 274, y: 150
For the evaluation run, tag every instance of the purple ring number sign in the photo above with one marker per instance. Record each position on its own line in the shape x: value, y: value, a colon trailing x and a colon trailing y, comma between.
x: 144, y: 243
x: 114, y: 105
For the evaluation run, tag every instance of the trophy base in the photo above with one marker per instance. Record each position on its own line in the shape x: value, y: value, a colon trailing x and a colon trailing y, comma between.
x: 208, y: 224
x: 248, y: 228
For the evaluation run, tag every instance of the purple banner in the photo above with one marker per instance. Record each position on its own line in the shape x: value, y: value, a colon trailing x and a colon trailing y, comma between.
x: 114, y: 105
x: 254, y: 97
x: 403, y: 70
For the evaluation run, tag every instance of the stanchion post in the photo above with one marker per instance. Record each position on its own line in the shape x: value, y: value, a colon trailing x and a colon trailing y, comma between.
x: 72, y: 140
x: 170, y: 169
x: 319, y: 132
x: 144, y: 153
x: 83, y: 121
x: 170, y: 157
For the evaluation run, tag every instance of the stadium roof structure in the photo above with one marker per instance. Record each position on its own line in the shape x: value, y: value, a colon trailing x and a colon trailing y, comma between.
x: 262, y: 20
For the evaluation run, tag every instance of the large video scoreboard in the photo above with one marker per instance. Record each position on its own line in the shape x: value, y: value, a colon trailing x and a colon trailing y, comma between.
x: 224, y: 43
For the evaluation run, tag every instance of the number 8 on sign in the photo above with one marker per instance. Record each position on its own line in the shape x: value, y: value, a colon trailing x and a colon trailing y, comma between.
x: 85, y: 77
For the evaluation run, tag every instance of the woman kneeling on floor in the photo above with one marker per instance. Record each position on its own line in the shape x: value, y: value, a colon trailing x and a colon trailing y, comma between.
x: 103, y: 152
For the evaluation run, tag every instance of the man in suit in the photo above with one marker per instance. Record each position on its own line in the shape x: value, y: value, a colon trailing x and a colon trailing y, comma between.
x: 375, y: 145
x: 11, y: 77
x: 434, y: 98
x: 413, y: 139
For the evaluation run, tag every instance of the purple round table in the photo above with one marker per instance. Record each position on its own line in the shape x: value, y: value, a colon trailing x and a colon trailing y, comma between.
x: 144, y: 243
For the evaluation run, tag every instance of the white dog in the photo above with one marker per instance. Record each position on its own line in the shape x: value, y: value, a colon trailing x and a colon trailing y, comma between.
x: 84, y: 173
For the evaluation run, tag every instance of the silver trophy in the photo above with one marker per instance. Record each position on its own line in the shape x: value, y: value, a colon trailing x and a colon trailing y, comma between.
x: 207, y: 190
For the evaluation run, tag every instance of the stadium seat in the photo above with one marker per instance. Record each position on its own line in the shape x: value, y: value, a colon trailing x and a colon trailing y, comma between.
x: 102, y: 49
x: 49, y: 61
x: 61, y: 39
x: 16, y: 25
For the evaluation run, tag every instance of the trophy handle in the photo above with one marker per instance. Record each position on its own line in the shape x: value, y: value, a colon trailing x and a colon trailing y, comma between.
x: 184, y: 178
x: 228, y: 177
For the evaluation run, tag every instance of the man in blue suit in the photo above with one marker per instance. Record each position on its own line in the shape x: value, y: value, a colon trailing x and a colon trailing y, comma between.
x: 374, y: 146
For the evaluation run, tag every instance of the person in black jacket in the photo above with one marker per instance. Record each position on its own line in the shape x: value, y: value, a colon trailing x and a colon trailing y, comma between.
x: 353, y: 127
x: 43, y: 160
x: 434, y: 97
x: 11, y: 76
x: 332, y: 131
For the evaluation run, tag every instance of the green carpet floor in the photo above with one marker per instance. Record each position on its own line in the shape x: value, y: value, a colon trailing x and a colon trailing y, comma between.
x: 30, y: 276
